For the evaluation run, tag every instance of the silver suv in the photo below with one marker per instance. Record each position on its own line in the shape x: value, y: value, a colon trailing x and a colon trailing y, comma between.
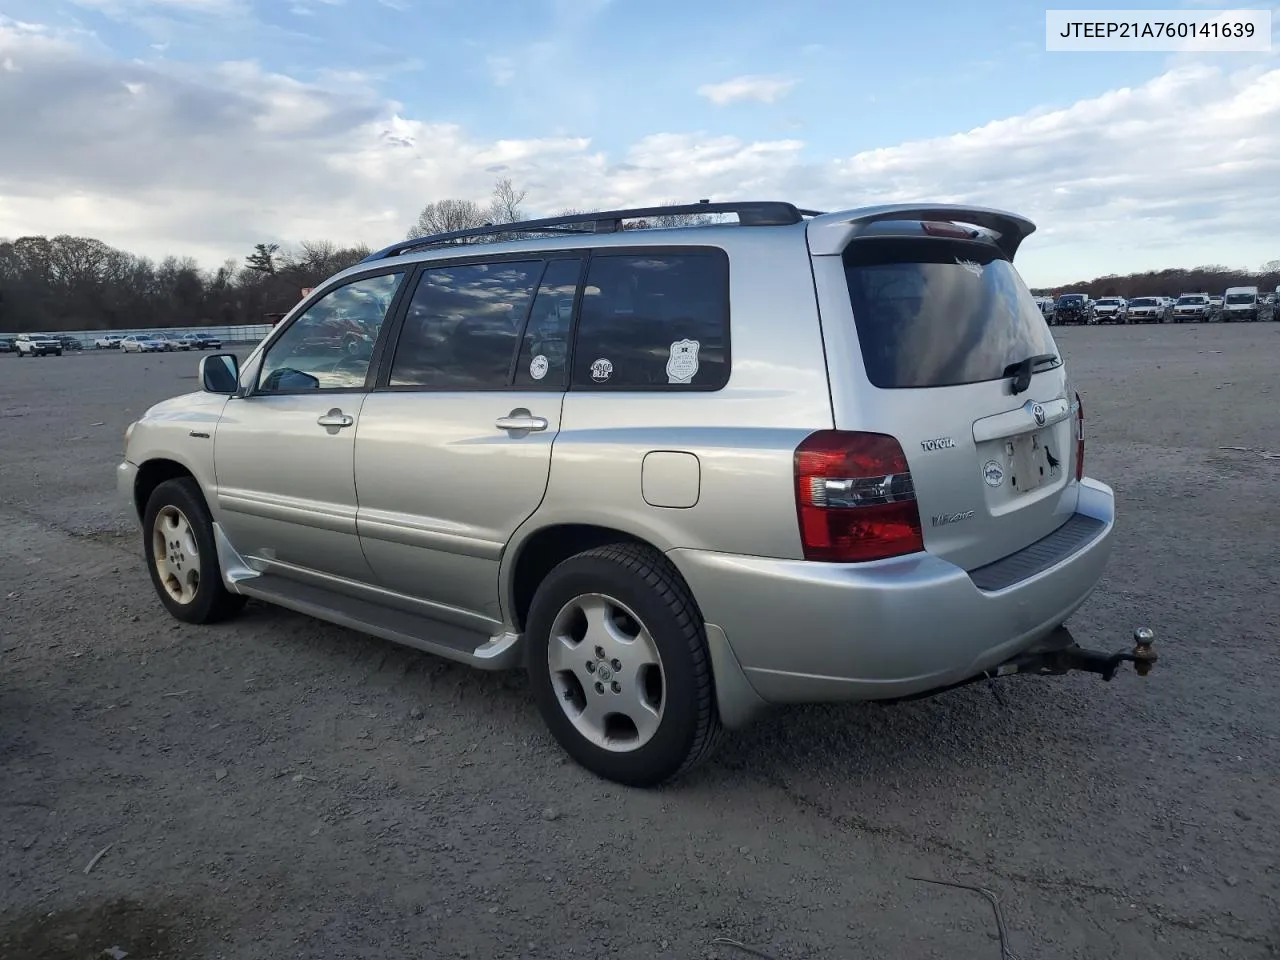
x: 679, y: 474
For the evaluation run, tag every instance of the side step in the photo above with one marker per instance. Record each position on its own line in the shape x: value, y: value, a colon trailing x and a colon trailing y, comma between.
x: 501, y: 652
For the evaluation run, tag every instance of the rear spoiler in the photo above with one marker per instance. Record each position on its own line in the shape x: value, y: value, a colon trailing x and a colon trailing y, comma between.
x: 830, y: 233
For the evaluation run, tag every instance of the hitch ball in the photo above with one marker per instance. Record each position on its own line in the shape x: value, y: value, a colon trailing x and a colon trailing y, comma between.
x: 1144, y: 654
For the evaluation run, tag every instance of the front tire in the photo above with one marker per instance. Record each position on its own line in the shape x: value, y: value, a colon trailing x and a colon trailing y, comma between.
x: 618, y: 662
x: 182, y: 557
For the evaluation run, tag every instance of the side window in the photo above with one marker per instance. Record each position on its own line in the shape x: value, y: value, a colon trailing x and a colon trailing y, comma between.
x: 463, y: 326
x: 544, y: 354
x: 654, y: 321
x: 329, y: 347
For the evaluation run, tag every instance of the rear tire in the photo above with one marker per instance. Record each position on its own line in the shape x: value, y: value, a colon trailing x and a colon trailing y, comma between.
x: 619, y: 608
x: 182, y: 557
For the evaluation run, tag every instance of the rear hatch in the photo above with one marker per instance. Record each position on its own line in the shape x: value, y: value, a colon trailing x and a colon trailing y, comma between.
x: 940, y: 323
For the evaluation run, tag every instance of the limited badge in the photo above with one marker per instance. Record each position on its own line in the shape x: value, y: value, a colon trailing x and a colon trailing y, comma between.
x: 601, y: 370
x: 538, y: 367
x: 993, y: 473
x: 683, y: 363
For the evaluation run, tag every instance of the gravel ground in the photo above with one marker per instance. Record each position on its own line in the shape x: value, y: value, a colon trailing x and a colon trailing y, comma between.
x: 277, y: 787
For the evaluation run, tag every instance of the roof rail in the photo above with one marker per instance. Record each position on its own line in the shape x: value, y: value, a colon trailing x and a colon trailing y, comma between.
x: 756, y: 213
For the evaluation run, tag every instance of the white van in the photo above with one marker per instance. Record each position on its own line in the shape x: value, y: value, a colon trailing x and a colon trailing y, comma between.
x: 1240, y: 303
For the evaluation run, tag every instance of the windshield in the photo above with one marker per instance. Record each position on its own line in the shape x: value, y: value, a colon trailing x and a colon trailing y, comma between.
x: 1108, y: 303
x: 1071, y: 299
x: 1192, y: 301
x: 1241, y: 298
x: 1142, y: 302
x: 934, y: 313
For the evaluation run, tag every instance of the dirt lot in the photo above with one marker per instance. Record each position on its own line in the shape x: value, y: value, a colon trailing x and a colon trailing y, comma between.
x: 280, y: 788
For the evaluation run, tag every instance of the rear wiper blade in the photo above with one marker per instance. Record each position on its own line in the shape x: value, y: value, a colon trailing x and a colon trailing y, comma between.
x: 1021, y: 371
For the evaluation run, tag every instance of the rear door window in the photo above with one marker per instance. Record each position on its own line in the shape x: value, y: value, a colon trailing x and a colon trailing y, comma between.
x: 463, y: 326
x: 935, y: 313
x: 654, y: 321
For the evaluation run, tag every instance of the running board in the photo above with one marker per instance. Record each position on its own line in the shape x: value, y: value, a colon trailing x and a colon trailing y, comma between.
x: 500, y: 652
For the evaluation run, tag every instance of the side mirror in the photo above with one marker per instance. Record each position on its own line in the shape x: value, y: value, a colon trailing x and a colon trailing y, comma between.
x: 220, y: 373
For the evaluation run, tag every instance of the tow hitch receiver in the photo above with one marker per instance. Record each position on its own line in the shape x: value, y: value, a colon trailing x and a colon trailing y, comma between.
x: 1061, y: 654
x: 1056, y: 655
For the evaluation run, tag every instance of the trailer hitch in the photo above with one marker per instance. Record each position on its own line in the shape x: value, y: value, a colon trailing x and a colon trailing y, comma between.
x: 1054, y: 656
x: 1061, y: 654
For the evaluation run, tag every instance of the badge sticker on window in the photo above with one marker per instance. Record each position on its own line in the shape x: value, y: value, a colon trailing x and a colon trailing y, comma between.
x: 538, y: 367
x: 971, y: 266
x: 682, y: 366
x: 601, y: 370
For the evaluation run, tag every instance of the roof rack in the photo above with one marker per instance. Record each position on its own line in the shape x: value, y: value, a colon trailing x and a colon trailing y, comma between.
x: 759, y: 213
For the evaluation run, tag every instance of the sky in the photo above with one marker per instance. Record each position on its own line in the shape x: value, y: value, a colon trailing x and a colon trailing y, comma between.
x: 201, y: 127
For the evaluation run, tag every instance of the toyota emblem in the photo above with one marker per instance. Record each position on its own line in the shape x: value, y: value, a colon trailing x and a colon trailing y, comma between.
x: 1038, y: 412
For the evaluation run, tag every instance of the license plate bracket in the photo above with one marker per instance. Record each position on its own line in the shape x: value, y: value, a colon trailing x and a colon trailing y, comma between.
x: 1028, y: 465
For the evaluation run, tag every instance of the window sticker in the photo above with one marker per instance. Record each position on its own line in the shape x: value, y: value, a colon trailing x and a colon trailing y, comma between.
x: 682, y: 366
x: 601, y: 370
x: 539, y: 366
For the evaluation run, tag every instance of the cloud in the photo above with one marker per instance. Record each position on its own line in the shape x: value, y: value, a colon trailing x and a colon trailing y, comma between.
x: 1179, y: 170
x: 762, y: 89
x: 130, y: 7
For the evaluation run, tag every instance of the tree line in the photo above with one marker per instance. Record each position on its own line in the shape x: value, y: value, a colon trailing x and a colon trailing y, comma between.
x: 81, y: 283
x: 1211, y: 279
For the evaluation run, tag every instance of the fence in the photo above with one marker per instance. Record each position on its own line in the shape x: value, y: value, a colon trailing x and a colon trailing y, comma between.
x: 243, y: 333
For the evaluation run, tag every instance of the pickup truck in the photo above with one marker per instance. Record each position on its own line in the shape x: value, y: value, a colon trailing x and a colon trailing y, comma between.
x: 1148, y: 310
x: 1191, y: 307
x: 1111, y: 310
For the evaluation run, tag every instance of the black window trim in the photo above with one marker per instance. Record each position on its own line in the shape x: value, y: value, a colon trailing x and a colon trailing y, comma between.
x: 382, y: 383
x: 656, y: 250
x: 375, y: 358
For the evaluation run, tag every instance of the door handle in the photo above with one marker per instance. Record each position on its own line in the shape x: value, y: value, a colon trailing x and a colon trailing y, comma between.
x: 335, y: 418
x: 521, y: 420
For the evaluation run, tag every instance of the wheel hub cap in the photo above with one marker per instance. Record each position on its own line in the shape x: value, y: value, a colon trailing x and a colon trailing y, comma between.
x: 606, y: 672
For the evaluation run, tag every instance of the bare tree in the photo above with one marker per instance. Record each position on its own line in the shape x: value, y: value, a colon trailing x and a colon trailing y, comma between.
x: 505, y: 206
x: 446, y: 216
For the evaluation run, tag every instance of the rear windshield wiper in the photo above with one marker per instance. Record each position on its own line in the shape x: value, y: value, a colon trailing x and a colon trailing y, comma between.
x: 1021, y: 371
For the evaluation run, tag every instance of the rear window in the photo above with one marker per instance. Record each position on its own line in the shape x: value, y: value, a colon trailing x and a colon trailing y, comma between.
x: 936, y: 313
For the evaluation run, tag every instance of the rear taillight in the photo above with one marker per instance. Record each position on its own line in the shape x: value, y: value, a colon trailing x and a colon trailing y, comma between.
x: 1079, y: 438
x: 855, y: 498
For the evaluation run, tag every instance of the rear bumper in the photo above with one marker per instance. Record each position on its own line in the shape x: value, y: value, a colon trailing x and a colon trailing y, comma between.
x: 816, y: 632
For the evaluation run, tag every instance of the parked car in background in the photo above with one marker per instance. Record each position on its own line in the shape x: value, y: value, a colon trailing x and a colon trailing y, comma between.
x: 108, y: 341
x: 1111, y: 310
x: 1240, y: 303
x: 1191, y: 307
x: 37, y: 345
x: 1149, y: 310
x: 1047, y: 305
x: 171, y: 343
x: 143, y: 343
x: 1073, y: 308
x: 201, y: 341
x: 6, y: 345
x: 1215, y: 307
x: 69, y: 343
